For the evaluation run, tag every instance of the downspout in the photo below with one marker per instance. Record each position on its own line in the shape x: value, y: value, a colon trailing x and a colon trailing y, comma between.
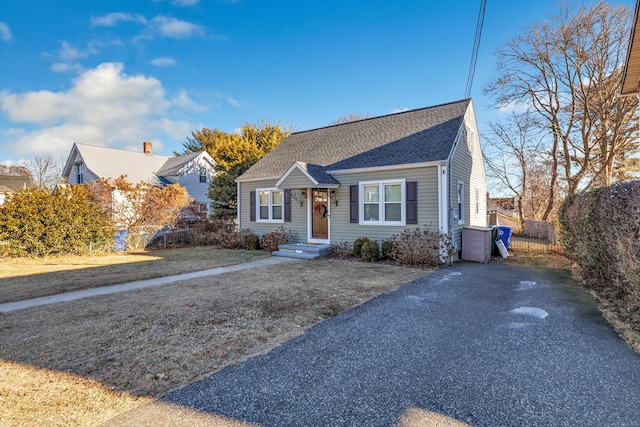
x: 443, y: 208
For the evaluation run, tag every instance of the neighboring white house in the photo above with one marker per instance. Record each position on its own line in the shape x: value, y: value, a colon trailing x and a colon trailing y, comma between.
x: 194, y: 171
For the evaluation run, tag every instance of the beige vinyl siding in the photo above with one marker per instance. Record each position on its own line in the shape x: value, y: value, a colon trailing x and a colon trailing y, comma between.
x: 298, y: 224
x: 296, y: 179
x: 468, y: 167
x: 343, y: 230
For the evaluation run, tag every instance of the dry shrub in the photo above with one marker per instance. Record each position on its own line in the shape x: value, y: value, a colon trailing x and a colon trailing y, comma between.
x: 251, y: 242
x: 343, y: 249
x: 271, y: 241
x: 219, y: 233
x: 419, y: 246
x: 600, y: 231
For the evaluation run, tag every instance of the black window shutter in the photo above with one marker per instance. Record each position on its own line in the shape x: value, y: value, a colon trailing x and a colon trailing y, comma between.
x: 287, y: 206
x: 252, y: 205
x: 412, y: 202
x: 353, y: 204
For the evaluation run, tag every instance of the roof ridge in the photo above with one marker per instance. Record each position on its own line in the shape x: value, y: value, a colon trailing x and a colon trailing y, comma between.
x: 118, y: 149
x: 384, y: 115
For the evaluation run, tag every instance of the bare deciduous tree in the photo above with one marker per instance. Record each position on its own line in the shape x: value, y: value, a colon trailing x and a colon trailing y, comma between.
x: 44, y: 170
x: 351, y: 117
x: 513, y: 152
x: 568, y: 72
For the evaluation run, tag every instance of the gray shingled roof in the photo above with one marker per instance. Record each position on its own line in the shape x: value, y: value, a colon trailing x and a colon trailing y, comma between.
x: 173, y: 165
x: 415, y: 136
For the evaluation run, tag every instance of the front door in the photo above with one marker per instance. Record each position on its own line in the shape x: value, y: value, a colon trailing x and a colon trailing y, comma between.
x: 319, y: 214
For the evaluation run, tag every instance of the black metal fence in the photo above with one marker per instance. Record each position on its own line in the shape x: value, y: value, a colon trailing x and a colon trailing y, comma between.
x: 535, y: 237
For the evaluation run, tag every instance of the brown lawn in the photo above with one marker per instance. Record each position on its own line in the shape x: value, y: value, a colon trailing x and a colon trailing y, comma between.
x: 84, y: 361
x: 23, y: 278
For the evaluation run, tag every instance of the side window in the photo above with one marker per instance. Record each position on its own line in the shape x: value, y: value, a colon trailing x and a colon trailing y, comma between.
x: 79, y: 173
x: 203, y: 175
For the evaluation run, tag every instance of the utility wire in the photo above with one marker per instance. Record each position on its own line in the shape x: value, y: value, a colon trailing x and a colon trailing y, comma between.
x: 476, y: 47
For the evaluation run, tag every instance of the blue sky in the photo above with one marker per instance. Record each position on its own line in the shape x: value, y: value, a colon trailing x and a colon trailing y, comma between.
x: 117, y: 73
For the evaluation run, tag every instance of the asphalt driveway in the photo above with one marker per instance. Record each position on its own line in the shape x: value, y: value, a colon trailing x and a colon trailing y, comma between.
x: 486, y: 344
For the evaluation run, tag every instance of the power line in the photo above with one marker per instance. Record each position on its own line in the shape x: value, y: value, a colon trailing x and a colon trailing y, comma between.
x: 476, y: 47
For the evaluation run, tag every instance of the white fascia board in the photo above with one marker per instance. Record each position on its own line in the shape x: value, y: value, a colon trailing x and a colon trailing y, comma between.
x: 385, y: 168
x: 293, y: 167
x: 262, y: 178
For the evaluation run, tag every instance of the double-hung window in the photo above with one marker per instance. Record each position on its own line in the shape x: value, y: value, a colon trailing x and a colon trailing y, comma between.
x: 203, y: 175
x: 79, y: 173
x: 270, y: 205
x: 382, y: 203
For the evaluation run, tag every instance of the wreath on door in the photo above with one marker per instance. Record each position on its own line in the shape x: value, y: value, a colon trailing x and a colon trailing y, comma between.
x: 320, y: 209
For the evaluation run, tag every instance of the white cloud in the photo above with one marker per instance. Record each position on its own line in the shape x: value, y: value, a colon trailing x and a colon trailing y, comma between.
x: 63, y: 67
x: 113, y: 19
x: 183, y: 101
x: 514, y: 107
x: 163, y: 61
x: 398, y: 110
x: 5, y: 32
x: 104, y: 106
x: 174, y: 28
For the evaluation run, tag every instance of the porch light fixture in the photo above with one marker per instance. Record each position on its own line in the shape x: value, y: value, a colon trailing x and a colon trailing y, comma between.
x: 332, y: 196
x: 298, y: 197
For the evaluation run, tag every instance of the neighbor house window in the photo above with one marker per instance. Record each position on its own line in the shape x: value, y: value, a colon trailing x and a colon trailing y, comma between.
x: 477, y: 201
x: 460, y: 202
x: 270, y: 205
x: 79, y: 173
x: 203, y: 175
x: 382, y: 203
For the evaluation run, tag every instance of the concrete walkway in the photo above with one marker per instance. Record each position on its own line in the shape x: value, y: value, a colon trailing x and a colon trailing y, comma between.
x: 106, y: 290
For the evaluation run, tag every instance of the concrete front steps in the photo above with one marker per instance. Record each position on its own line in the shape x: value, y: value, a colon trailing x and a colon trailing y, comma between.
x: 303, y: 250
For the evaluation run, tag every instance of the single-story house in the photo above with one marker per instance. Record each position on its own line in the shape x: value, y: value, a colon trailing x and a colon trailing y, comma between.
x: 193, y: 171
x: 372, y: 177
x: 11, y: 183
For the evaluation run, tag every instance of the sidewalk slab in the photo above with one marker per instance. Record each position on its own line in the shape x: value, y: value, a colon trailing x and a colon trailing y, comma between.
x: 107, y: 290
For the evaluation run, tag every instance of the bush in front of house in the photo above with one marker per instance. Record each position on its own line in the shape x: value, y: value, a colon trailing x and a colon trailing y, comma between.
x: 343, y: 249
x: 34, y: 222
x: 271, y: 241
x: 370, y: 251
x: 418, y: 246
x: 388, y: 249
x: 251, y: 242
x: 600, y: 231
x: 357, y: 245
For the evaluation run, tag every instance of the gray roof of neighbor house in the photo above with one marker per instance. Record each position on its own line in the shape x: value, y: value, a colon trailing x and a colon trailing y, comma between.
x: 173, y: 165
x: 111, y: 163
x: 13, y: 182
x: 415, y: 136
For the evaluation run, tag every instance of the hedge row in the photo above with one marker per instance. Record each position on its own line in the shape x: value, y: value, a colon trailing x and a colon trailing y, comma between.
x: 35, y: 222
x: 600, y: 231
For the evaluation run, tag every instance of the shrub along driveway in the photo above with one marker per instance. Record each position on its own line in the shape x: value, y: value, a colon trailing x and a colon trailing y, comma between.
x: 485, y: 344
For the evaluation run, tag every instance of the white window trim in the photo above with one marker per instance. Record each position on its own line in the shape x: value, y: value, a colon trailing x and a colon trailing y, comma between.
x: 79, y: 167
x: 271, y: 220
x: 460, y: 205
x: 381, y: 202
x: 203, y: 173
